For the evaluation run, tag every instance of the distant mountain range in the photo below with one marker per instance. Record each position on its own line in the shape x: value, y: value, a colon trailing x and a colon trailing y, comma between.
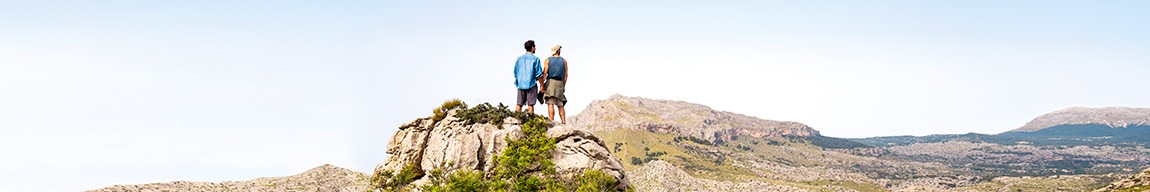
x: 1072, y: 126
x: 1077, y: 149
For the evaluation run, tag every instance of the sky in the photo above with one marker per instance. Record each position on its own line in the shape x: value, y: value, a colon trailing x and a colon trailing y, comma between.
x: 98, y: 93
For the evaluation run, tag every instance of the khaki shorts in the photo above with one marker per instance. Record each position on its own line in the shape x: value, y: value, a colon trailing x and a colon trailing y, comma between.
x: 555, y: 101
x: 554, y: 93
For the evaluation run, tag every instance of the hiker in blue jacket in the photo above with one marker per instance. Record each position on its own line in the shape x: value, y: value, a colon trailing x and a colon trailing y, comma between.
x: 528, y: 76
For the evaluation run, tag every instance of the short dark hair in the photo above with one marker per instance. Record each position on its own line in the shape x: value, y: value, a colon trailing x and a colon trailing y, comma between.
x: 529, y: 44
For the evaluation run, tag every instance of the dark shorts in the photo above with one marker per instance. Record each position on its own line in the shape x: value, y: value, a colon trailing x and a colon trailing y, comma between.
x: 527, y: 96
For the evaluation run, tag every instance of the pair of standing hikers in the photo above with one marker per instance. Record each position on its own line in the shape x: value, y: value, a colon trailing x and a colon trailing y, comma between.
x: 548, y: 77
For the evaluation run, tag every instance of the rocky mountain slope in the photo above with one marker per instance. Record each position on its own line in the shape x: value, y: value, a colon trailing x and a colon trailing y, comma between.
x: 322, y: 178
x: 1137, y: 182
x: 1110, y: 116
x: 659, y: 175
x: 680, y: 118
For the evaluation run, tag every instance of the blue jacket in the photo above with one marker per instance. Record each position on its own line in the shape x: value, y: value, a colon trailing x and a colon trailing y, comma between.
x: 527, y: 71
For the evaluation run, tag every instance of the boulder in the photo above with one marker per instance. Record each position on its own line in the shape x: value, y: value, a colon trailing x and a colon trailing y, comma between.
x: 578, y: 150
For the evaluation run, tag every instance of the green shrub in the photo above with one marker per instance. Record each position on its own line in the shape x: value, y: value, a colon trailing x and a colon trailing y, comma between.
x: 441, y: 111
x: 531, y: 153
x: 388, y: 181
x: 594, y: 181
x: 486, y: 113
x: 467, y: 181
x: 462, y: 180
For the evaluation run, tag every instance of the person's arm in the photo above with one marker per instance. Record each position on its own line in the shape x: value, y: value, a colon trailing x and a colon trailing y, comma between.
x: 539, y: 74
x: 516, y: 73
x: 546, y: 66
x: 566, y: 69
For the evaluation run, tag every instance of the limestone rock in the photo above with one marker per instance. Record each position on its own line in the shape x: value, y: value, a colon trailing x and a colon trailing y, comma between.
x: 407, y: 145
x: 454, y: 146
x: 451, y: 145
x: 579, y: 150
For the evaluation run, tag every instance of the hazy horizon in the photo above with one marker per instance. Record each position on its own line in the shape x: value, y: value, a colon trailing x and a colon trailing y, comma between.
x: 123, y: 92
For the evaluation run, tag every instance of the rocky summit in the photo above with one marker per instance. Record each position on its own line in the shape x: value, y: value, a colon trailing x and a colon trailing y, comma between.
x: 454, y: 144
x: 323, y: 178
x: 680, y: 118
x: 1110, y: 116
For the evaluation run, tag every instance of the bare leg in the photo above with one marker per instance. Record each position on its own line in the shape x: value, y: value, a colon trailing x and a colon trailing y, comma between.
x: 562, y: 115
x: 551, y: 112
x: 518, y: 108
x: 531, y: 109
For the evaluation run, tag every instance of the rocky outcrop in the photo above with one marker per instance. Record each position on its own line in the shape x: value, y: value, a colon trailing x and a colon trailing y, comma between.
x: 322, y: 178
x: 1111, y: 116
x: 451, y: 145
x: 1137, y: 182
x: 682, y: 118
x: 448, y: 144
x: 579, y: 150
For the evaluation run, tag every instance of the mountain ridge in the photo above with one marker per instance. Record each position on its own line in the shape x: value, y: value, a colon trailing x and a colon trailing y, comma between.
x: 1115, y: 117
x: 682, y: 118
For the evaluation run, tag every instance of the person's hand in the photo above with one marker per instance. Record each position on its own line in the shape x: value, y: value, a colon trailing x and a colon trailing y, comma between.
x: 541, y: 89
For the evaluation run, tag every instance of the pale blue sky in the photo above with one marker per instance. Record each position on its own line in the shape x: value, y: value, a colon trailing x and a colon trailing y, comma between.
x: 117, y: 92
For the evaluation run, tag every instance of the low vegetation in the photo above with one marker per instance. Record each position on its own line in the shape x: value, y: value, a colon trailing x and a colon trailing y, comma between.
x: 390, y: 181
x: 487, y: 113
x: 441, y: 111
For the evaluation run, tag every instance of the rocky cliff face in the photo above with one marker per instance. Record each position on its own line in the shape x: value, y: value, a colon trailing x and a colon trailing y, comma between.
x: 1112, y: 116
x: 322, y: 178
x: 448, y: 144
x: 682, y: 118
x: 451, y: 145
